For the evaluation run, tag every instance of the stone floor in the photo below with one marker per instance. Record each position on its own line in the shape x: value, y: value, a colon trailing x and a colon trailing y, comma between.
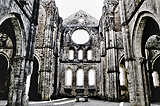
x: 72, y: 102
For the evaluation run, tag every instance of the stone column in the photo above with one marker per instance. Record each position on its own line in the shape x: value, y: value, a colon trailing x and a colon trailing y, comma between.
x: 137, y: 85
x: 17, y: 85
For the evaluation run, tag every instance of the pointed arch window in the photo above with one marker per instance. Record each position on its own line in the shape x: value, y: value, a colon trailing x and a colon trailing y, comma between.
x: 71, y: 54
x: 91, y: 77
x: 80, y: 54
x: 80, y: 77
x: 68, y: 77
x: 89, y: 54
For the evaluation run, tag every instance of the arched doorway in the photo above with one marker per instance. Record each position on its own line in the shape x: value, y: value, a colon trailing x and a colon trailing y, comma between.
x: 33, y: 90
x: 4, y: 82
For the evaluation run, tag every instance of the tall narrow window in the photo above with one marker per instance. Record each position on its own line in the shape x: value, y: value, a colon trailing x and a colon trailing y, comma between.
x: 80, y: 54
x: 155, y: 76
x: 91, y: 77
x: 122, y: 75
x: 80, y: 77
x: 89, y: 54
x: 68, y: 77
x: 71, y: 54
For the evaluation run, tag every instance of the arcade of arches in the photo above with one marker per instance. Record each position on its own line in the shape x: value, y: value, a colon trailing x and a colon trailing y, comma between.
x: 116, y: 57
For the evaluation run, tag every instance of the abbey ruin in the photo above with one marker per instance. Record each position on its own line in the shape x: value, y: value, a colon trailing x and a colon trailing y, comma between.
x: 117, y: 60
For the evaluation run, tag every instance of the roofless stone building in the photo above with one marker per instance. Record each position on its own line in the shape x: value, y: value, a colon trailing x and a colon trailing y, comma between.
x: 43, y: 56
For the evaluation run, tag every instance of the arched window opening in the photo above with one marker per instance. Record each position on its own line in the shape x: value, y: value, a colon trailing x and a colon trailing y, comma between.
x: 68, y: 77
x: 71, y: 54
x: 80, y: 77
x: 91, y: 77
x: 89, y: 54
x: 80, y: 54
x: 122, y: 75
x: 4, y: 82
x: 155, y: 77
x: 123, y: 81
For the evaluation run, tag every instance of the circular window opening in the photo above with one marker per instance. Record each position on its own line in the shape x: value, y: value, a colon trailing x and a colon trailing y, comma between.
x: 80, y: 36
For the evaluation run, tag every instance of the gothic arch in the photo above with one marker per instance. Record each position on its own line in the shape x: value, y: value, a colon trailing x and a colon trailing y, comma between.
x: 123, y: 80
x: 138, y: 32
x: 80, y: 77
x: 68, y: 76
x: 80, y: 54
x: 91, y: 77
x: 71, y: 52
x: 39, y: 61
x: 89, y: 53
x: 146, y: 25
x: 18, y: 34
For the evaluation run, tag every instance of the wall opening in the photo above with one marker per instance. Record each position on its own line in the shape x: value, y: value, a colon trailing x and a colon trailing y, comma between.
x: 89, y: 54
x: 123, y: 81
x: 4, y: 82
x: 155, y: 85
x: 68, y: 77
x: 80, y: 77
x: 91, y: 77
x: 80, y: 54
x: 71, y: 54
x: 33, y: 90
x: 80, y: 36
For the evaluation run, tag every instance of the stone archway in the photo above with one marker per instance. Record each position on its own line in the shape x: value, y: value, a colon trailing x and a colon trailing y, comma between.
x: 33, y: 90
x: 4, y: 82
x: 139, y: 68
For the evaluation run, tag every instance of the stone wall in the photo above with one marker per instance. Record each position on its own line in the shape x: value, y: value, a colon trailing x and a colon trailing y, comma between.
x: 18, y: 20
x: 47, y: 47
x: 90, y: 25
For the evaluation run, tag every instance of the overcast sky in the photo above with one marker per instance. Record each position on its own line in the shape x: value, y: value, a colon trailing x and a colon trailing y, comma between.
x: 68, y: 7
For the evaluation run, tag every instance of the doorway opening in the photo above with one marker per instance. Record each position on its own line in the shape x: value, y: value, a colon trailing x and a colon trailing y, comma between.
x: 123, y: 81
x: 155, y: 85
x: 4, y: 82
x: 33, y: 90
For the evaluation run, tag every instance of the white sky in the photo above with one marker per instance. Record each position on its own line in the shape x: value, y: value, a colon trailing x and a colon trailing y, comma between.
x: 68, y: 7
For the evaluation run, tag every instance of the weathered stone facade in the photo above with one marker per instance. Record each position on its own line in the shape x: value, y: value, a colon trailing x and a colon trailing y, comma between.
x: 18, y: 22
x: 46, y: 50
x: 119, y: 59
x: 71, y: 25
x: 137, y: 22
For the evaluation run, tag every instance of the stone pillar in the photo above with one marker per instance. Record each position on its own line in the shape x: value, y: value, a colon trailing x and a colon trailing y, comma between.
x: 17, y: 84
x: 113, y: 86
x: 137, y: 85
